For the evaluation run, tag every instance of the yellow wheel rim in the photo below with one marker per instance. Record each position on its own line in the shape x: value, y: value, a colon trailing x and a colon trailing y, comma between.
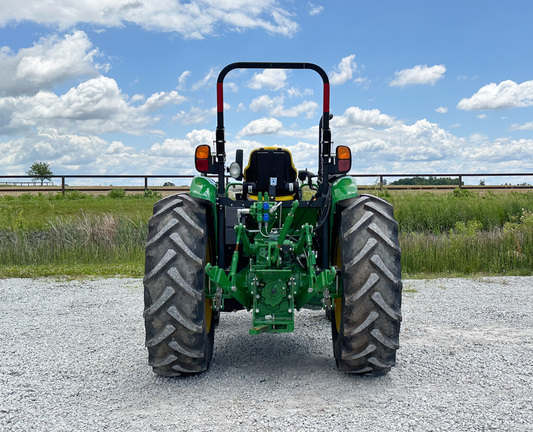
x: 208, y: 314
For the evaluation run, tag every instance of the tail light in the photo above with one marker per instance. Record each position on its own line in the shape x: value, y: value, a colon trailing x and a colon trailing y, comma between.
x: 203, y: 160
x: 344, y: 159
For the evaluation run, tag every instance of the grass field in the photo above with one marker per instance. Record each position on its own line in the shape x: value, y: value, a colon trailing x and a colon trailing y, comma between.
x: 453, y: 233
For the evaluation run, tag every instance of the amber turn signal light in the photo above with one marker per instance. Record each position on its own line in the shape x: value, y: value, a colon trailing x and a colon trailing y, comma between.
x: 344, y: 159
x: 202, y: 158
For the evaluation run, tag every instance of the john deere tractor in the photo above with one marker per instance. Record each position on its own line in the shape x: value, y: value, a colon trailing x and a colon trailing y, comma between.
x: 253, y: 243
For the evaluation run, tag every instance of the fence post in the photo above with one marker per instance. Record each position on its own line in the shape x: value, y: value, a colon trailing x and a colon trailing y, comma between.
x: 63, y: 185
x: 380, y: 182
x: 460, y: 181
x: 145, y: 183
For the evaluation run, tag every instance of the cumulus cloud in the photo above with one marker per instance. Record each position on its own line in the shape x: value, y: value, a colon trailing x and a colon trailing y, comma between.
x: 356, y: 117
x: 274, y: 79
x: 116, y: 147
x: 71, y: 154
x: 296, y: 92
x: 500, y: 151
x: 263, y: 126
x: 193, y: 20
x: 442, y: 110
x: 344, y: 70
x: 196, y: 115
x: 507, y: 94
x: 161, y: 99
x: 275, y: 107
x: 525, y: 126
x: 95, y: 106
x: 181, y: 147
x: 50, y: 61
x: 420, y: 74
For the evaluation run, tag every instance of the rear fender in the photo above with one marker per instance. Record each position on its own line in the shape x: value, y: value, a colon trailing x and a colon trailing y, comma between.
x: 206, y: 189
x: 341, y: 189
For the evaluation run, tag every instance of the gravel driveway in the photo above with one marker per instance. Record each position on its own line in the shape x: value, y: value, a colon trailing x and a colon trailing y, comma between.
x: 73, y: 358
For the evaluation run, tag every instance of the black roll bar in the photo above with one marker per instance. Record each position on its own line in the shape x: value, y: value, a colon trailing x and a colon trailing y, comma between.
x: 325, y: 145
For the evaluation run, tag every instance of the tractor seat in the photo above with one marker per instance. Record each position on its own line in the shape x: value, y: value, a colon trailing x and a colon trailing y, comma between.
x: 270, y: 170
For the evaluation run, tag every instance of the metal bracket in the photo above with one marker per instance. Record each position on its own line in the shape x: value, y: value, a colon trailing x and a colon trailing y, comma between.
x: 218, y: 299
x: 327, y: 300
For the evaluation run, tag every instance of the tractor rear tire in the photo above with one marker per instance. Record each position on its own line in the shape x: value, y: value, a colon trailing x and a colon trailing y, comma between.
x: 179, y: 321
x: 366, y: 319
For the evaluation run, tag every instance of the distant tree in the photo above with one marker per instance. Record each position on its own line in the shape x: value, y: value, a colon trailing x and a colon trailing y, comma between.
x: 41, y: 171
x: 430, y: 181
x: 168, y: 184
x: 482, y: 182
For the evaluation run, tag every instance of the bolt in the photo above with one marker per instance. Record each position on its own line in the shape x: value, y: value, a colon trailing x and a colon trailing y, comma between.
x: 234, y: 288
x: 290, y: 311
x: 257, y: 310
x: 310, y: 290
x: 289, y: 283
x: 289, y: 296
x: 257, y: 296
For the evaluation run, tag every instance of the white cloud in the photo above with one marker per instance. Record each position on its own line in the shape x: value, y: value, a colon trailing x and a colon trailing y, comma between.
x: 263, y: 126
x: 442, y: 110
x: 196, y: 115
x: 137, y: 98
x: 194, y: 20
x: 501, y: 151
x: 51, y: 61
x: 161, y: 99
x: 93, y: 107
x: 363, y: 82
x: 265, y: 103
x: 274, y: 79
x: 355, y: 116
x: 420, y: 74
x: 526, y: 126
x: 308, y: 108
x: 207, y: 80
x: 344, y: 70
x: 181, y: 80
x: 296, y: 92
x: 275, y: 107
x: 116, y: 147
x: 71, y: 154
x: 507, y: 94
x: 314, y: 9
x: 481, y: 116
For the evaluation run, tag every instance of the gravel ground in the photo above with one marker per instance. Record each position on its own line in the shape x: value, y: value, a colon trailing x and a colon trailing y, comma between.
x: 73, y: 358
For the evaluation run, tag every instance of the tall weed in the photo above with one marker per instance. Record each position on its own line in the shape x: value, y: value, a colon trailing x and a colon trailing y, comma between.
x: 88, y: 238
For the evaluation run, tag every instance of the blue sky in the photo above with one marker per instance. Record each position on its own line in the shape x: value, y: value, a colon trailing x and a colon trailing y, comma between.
x: 128, y: 86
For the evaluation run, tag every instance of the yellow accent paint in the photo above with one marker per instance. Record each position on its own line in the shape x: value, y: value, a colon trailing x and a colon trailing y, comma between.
x: 278, y: 198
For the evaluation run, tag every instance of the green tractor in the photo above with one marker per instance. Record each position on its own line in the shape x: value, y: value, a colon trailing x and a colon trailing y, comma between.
x: 267, y: 250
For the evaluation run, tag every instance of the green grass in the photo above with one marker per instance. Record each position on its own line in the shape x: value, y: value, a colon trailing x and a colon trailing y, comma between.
x: 33, y: 212
x: 497, y: 252
x: 439, y: 212
x: 441, y: 234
